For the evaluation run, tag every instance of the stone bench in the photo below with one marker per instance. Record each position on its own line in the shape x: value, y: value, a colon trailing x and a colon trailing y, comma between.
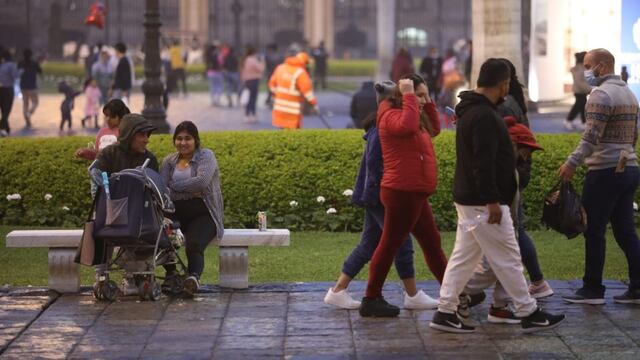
x: 64, y: 273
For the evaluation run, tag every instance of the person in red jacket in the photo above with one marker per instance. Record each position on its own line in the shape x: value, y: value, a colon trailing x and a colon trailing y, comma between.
x: 406, y: 123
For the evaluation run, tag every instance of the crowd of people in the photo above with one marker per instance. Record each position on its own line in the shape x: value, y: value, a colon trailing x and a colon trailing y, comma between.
x: 493, y: 167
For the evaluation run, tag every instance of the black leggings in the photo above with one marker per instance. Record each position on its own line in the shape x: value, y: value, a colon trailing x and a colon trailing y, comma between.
x: 578, y: 108
x: 198, y: 228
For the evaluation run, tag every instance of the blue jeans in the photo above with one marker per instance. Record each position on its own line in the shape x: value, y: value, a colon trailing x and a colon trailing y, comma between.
x: 361, y: 255
x: 252, y: 86
x: 232, y: 85
x: 216, y: 85
x: 527, y: 249
x: 608, y: 197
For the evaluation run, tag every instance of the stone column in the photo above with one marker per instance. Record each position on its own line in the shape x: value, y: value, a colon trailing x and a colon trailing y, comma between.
x: 497, y: 33
x: 386, y: 21
x: 152, y: 87
x: 319, y: 23
x: 194, y: 19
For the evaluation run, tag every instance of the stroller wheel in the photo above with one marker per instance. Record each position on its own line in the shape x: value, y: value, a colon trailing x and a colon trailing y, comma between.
x: 149, y: 289
x: 106, y: 290
x: 110, y: 290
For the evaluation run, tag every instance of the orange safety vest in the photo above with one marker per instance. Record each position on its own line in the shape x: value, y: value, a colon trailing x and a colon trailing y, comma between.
x: 291, y: 86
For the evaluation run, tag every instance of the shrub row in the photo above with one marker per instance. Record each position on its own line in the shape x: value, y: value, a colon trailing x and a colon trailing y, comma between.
x: 261, y: 171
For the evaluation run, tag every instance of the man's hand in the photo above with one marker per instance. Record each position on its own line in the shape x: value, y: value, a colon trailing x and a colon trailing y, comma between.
x: 495, y: 213
x: 566, y: 172
x: 406, y: 86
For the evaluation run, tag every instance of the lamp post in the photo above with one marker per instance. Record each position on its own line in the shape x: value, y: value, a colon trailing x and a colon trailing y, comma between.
x: 237, y: 9
x: 152, y: 86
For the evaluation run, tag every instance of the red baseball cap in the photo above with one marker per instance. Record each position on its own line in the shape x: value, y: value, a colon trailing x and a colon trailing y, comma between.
x: 522, y: 135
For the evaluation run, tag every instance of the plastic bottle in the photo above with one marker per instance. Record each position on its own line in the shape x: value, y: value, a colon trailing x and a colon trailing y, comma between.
x: 471, y: 224
x: 105, y: 183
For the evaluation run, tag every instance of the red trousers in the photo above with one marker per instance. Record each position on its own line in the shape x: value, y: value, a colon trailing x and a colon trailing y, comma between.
x: 405, y: 212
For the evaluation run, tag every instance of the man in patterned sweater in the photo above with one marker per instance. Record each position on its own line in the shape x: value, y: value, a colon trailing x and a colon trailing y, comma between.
x: 608, y: 149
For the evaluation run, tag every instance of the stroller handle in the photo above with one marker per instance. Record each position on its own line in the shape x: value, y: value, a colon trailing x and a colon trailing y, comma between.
x: 146, y: 163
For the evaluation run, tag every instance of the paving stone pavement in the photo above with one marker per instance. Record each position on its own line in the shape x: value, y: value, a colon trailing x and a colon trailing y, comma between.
x: 290, y: 321
x: 196, y: 107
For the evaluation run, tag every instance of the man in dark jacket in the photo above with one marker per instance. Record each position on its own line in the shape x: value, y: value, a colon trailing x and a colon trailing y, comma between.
x: 431, y: 70
x: 363, y: 103
x: 122, y: 80
x: 484, y: 187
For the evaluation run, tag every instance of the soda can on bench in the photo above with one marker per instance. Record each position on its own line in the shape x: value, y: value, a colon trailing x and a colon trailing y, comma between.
x: 262, y: 221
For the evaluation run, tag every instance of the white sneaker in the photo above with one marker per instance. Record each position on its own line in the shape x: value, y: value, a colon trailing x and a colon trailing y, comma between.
x: 3, y: 133
x: 579, y: 126
x: 420, y: 301
x: 568, y: 125
x: 341, y: 299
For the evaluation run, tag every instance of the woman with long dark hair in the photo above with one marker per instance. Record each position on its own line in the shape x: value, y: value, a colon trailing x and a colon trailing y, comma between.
x: 406, y: 123
x: 193, y: 176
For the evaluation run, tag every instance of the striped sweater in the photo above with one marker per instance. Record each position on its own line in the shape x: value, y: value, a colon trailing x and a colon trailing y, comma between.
x: 611, y: 129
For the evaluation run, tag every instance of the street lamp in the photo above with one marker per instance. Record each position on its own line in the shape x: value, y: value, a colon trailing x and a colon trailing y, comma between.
x: 236, y: 9
x: 152, y: 86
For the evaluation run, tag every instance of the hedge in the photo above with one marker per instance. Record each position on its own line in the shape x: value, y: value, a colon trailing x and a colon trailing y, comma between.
x: 261, y: 171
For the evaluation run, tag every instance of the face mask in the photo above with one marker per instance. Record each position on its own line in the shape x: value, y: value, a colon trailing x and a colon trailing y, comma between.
x: 591, y: 77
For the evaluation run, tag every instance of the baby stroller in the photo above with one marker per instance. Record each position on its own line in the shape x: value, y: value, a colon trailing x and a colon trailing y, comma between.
x: 132, y: 234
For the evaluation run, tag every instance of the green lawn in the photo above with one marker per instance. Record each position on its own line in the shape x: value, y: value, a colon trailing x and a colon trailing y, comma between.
x: 318, y: 256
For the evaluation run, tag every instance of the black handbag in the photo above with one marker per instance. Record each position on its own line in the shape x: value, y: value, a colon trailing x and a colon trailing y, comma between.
x: 563, y: 211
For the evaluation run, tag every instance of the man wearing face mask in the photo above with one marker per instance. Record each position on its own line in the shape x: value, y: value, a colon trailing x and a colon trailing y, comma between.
x: 608, y: 149
x: 484, y: 186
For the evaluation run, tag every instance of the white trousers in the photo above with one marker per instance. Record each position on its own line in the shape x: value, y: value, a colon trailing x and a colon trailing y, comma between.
x: 499, y: 245
x: 483, y: 278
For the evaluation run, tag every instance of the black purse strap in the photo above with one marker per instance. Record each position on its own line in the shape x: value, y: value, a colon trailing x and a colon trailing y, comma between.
x: 93, y: 206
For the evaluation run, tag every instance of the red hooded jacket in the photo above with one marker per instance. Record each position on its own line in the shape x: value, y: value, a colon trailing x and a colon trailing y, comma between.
x: 407, y: 151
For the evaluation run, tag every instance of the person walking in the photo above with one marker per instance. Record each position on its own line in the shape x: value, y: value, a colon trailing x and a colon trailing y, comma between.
x: 177, y: 59
x: 231, y: 73
x: 484, y: 187
x: 29, y: 71
x: 271, y: 60
x: 8, y: 76
x: 581, y: 89
x: 366, y: 194
x: 514, y: 110
x: 406, y: 122
x: 320, y: 61
x: 193, y: 176
x: 431, y: 71
x: 291, y: 86
x: 122, y: 81
x: 214, y: 75
x: 92, y: 97
x: 252, y: 70
x: 102, y: 72
x: 363, y: 103
x: 402, y: 65
x: 608, y: 148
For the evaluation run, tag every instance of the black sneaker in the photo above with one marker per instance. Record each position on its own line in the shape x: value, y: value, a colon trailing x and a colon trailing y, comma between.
x: 377, y: 307
x: 629, y: 297
x: 540, y: 320
x: 191, y: 285
x: 449, y: 323
x: 464, y: 311
x: 502, y: 315
x: 476, y: 299
x: 585, y: 296
x: 467, y: 301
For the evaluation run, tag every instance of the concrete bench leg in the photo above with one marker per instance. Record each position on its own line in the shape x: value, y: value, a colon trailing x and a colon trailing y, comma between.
x: 64, y: 273
x: 234, y: 267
